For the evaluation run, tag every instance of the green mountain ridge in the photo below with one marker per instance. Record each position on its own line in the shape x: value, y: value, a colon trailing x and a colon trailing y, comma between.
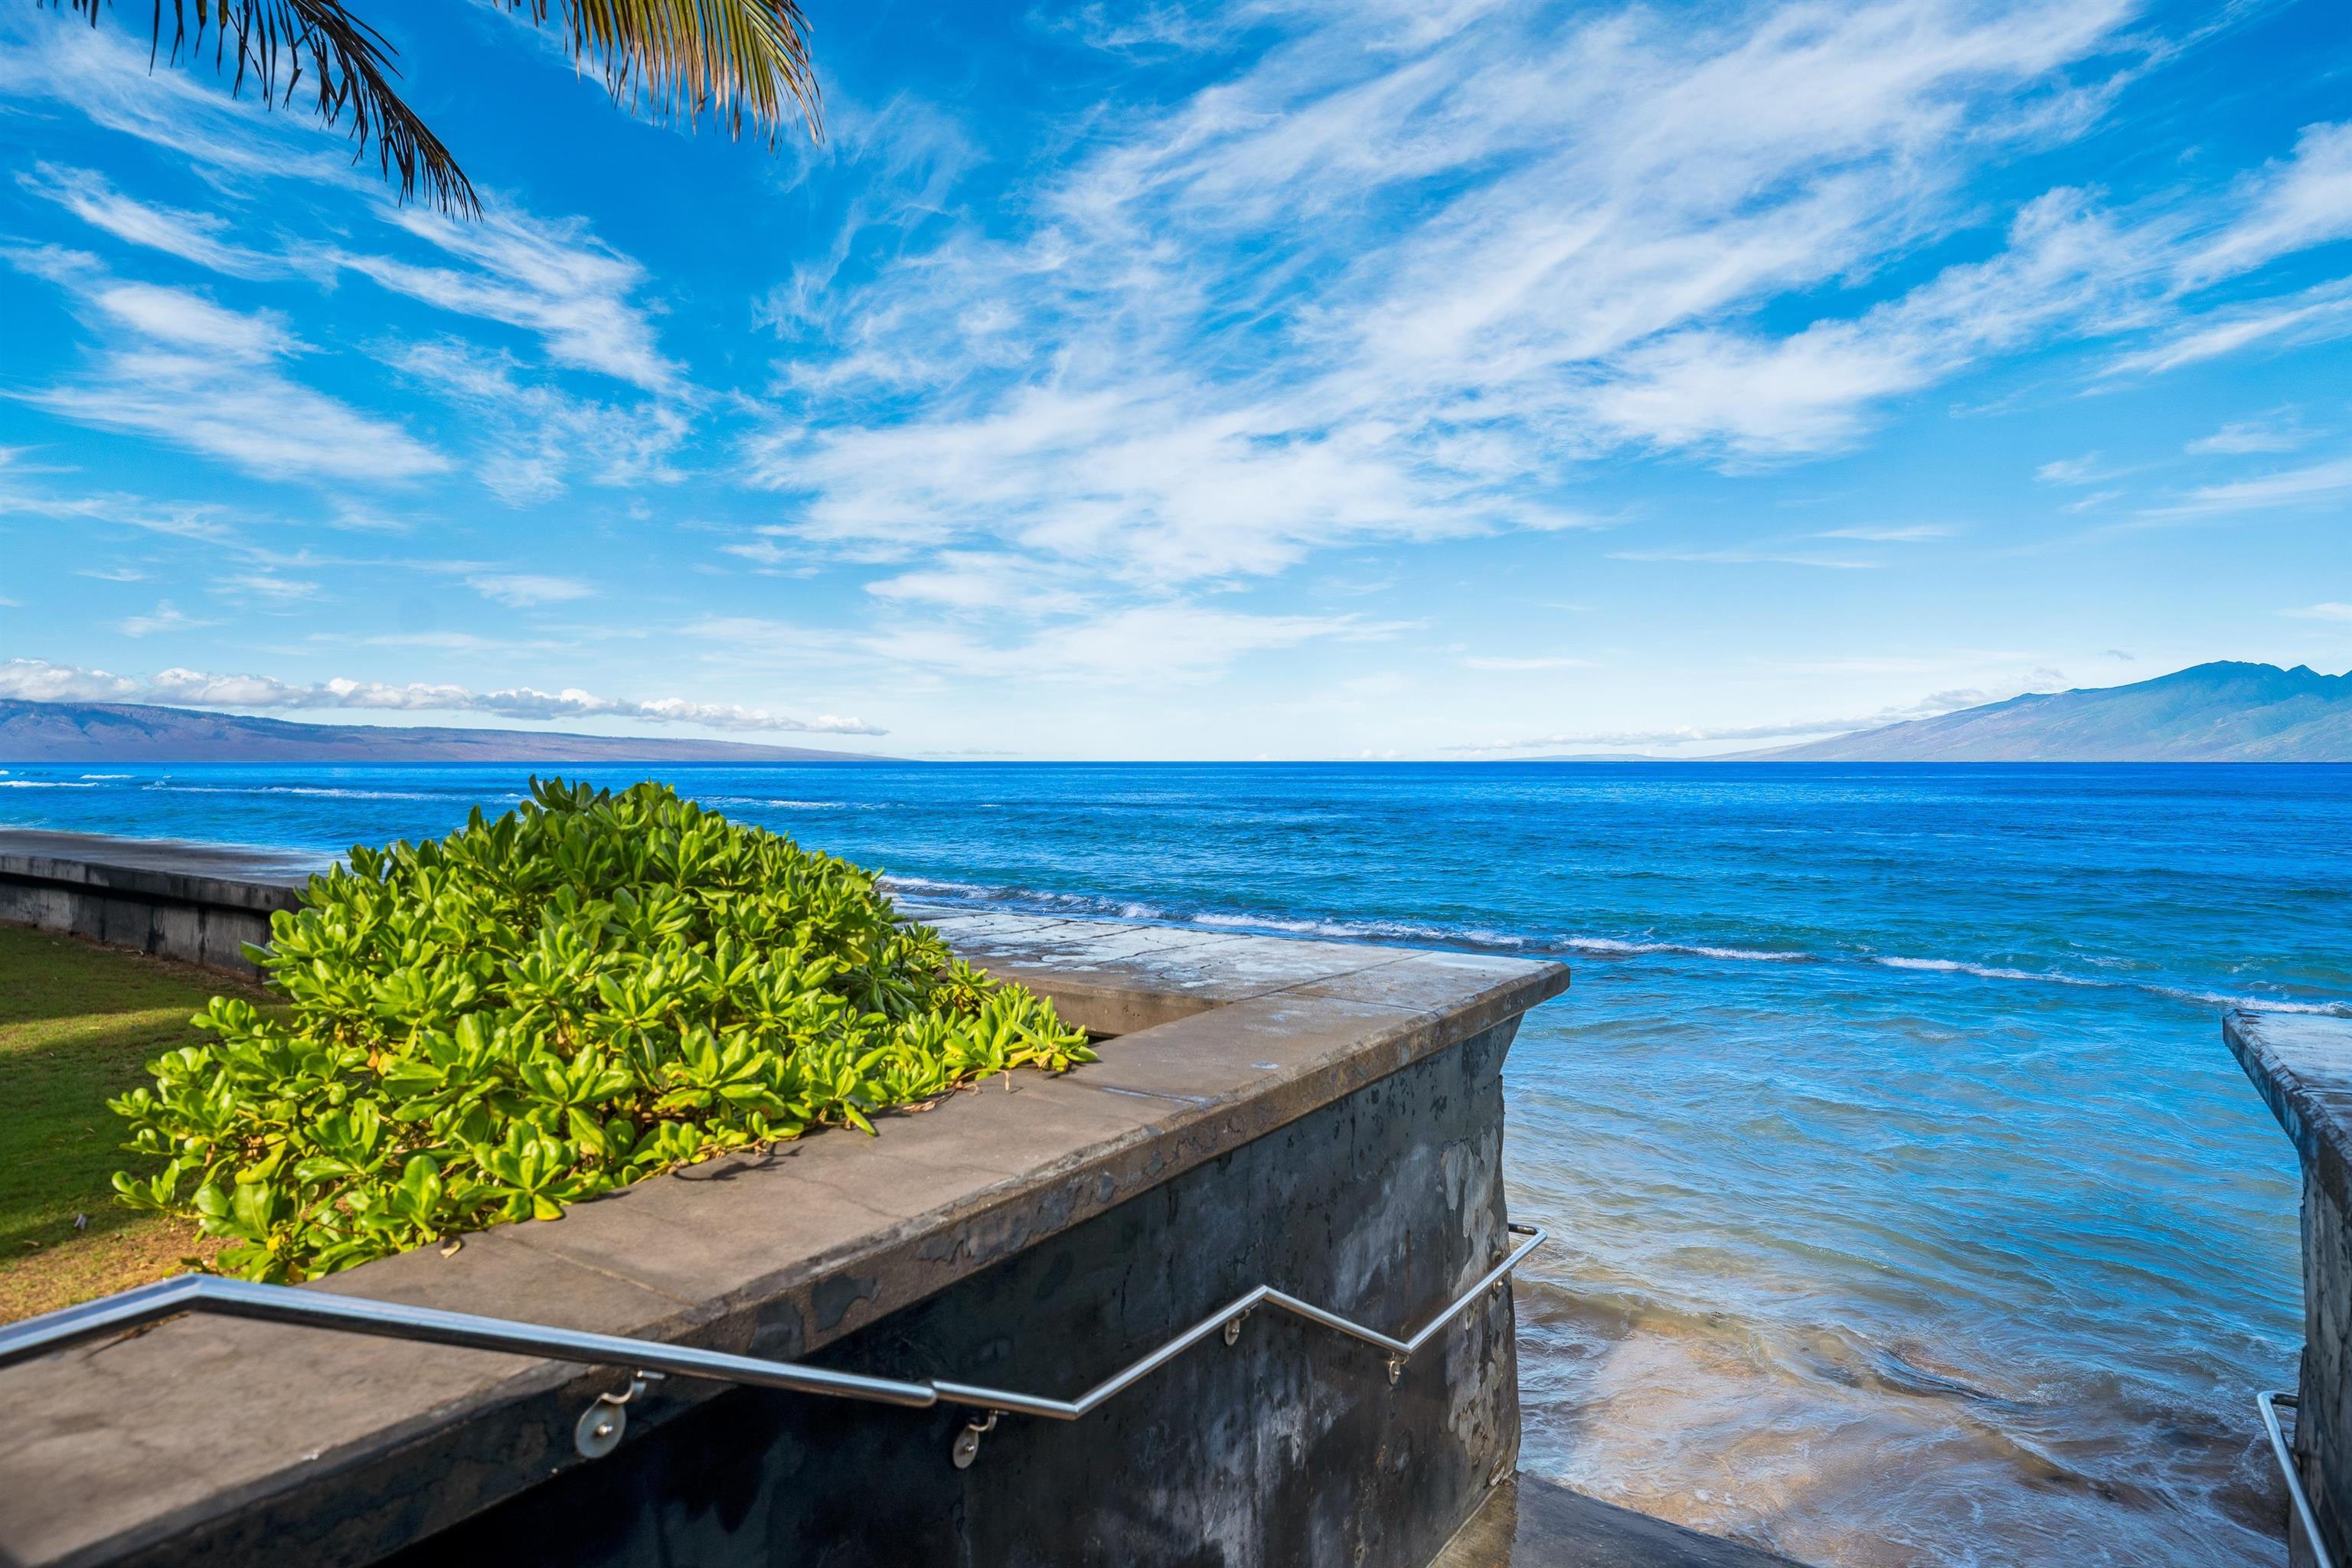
x: 2226, y: 711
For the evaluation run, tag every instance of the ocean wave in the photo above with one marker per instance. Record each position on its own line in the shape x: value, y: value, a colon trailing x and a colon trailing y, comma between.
x: 1020, y: 900
x: 787, y: 803
x: 106, y: 775
x: 43, y: 784
x: 1605, y: 946
x: 322, y: 792
x: 1993, y: 972
x: 1363, y: 931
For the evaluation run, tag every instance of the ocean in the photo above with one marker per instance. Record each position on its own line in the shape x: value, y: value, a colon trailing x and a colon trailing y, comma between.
x: 1910, y: 1209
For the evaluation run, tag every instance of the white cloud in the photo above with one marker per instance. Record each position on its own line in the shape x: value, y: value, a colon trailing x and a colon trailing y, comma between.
x: 2085, y: 470
x: 1392, y: 280
x: 535, y: 438
x: 2290, y: 486
x: 2330, y: 611
x: 524, y: 590
x: 2292, y: 205
x: 186, y: 371
x: 268, y: 585
x: 1748, y: 558
x: 191, y: 235
x: 1905, y: 533
x: 39, y: 681
x: 1516, y: 665
x: 2316, y: 314
x: 2244, y: 435
x: 551, y: 278
x: 165, y: 617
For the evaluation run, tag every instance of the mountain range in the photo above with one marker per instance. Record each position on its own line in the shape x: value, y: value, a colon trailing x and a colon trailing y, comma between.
x: 123, y: 733
x: 2220, y: 712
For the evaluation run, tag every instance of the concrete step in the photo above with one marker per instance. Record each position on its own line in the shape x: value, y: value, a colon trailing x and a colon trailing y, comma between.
x: 1531, y: 1523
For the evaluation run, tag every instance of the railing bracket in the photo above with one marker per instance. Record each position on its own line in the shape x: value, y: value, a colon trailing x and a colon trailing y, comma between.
x: 967, y: 1443
x: 602, y: 1425
x: 1234, y: 1326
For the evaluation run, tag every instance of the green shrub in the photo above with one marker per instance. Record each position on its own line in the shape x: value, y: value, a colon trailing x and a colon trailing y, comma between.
x: 537, y: 1009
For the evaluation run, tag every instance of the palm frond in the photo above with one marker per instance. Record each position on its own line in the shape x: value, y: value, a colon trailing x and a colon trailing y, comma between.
x: 351, y: 68
x: 737, y: 59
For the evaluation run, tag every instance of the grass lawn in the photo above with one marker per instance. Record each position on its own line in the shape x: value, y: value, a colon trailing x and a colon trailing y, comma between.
x: 77, y: 1024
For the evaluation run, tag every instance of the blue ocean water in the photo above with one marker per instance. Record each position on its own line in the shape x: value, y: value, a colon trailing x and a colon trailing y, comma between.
x: 1912, y: 1210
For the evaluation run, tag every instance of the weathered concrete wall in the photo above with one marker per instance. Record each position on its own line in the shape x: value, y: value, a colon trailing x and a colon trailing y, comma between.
x: 191, y: 903
x: 2323, y: 1435
x: 1291, y: 1448
x: 2303, y: 1066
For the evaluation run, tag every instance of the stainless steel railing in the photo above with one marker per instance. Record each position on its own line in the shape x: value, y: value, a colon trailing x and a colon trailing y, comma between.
x: 599, y: 1428
x: 2269, y: 1403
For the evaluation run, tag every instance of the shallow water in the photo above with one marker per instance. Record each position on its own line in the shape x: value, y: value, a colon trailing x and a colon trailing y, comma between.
x: 1911, y: 1210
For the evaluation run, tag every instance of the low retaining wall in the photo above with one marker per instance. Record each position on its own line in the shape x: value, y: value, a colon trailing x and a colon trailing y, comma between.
x: 194, y: 902
x: 2303, y: 1066
x: 1324, y: 1117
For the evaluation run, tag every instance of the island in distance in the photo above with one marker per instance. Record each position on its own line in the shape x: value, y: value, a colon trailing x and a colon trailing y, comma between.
x: 129, y: 732
x: 2220, y: 712
x: 2226, y: 711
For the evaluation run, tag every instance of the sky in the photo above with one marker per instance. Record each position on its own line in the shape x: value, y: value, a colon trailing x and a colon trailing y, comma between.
x: 1279, y: 378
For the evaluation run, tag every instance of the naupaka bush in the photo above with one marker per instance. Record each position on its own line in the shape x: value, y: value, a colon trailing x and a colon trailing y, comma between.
x: 586, y: 991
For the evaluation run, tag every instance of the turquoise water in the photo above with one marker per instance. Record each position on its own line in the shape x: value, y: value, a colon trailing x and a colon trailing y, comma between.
x: 1912, y: 1210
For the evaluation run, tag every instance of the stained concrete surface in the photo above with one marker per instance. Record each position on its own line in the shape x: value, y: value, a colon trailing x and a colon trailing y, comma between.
x: 1532, y: 1523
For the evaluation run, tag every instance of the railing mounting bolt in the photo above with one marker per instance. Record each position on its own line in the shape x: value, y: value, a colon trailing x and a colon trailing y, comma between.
x: 1396, y: 1370
x: 1234, y: 1326
x: 603, y: 1424
x: 967, y: 1443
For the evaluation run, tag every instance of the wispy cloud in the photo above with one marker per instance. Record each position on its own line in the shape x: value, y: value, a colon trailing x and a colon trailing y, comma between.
x: 39, y: 681
x: 2248, y: 435
x: 551, y: 278
x: 2290, y: 486
x: 1748, y: 558
x: 1470, y: 252
x: 165, y: 617
x: 534, y: 439
x: 1509, y: 665
x: 194, y: 237
x: 1904, y: 533
x: 186, y: 371
x: 2330, y: 611
x: 527, y: 590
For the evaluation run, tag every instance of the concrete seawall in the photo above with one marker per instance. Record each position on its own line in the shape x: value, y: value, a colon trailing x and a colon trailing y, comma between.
x: 196, y: 902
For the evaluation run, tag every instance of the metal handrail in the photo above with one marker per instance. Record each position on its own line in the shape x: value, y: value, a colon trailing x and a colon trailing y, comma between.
x: 2268, y: 1403
x: 599, y: 1428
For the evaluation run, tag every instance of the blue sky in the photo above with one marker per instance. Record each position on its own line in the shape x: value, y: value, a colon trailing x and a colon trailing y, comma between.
x: 1329, y: 378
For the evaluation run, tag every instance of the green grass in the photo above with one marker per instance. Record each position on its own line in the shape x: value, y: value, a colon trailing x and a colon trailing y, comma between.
x: 78, y: 1024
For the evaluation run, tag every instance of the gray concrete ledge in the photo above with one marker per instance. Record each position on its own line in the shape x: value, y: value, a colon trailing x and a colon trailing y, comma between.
x: 2302, y: 1064
x: 196, y: 902
x: 144, y: 1447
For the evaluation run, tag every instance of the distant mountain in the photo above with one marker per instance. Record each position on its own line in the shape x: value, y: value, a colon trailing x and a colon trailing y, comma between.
x: 121, y: 732
x: 2220, y: 712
